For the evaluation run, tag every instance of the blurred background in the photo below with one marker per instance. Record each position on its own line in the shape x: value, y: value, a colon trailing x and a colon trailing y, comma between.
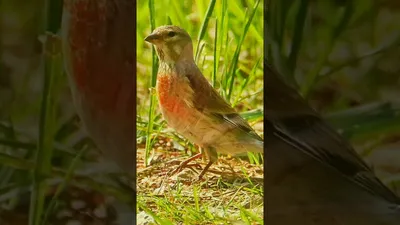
x: 49, y: 168
x: 343, y: 56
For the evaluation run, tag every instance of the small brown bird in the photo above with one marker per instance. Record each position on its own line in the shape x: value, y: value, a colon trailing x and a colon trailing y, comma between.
x: 314, y: 177
x: 190, y: 104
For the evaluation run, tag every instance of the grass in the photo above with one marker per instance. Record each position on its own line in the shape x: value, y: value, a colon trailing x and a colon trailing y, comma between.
x: 52, y: 73
x: 223, y: 35
x: 222, y: 202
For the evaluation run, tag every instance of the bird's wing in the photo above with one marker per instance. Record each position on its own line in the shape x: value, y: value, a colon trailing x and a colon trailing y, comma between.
x: 208, y: 101
x: 300, y: 126
x: 316, y: 139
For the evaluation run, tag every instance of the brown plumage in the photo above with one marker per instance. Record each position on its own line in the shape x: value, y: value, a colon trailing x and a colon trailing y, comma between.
x: 189, y: 103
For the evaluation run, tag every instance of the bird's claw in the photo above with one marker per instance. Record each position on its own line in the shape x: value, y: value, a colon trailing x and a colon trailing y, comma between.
x: 184, y: 165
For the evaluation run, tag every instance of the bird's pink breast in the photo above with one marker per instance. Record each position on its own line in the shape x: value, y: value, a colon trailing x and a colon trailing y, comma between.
x: 169, y: 98
x: 172, y: 96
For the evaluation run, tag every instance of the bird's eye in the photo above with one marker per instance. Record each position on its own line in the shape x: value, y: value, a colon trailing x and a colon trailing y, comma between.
x: 171, y: 34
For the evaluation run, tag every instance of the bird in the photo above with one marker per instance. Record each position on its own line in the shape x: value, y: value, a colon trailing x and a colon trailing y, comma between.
x: 314, y: 176
x: 99, y: 59
x: 191, y: 106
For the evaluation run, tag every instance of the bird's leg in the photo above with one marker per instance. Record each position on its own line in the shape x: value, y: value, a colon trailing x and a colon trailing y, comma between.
x: 212, y: 157
x: 205, y: 169
x: 209, y: 152
x: 203, y: 154
x: 185, y: 163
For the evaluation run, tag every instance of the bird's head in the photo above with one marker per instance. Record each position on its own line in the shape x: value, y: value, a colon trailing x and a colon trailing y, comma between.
x: 172, y: 44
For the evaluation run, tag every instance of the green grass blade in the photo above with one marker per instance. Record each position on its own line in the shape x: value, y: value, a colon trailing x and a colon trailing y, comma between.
x: 52, y: 73
x: 335, y: 32
x: 237, y: 51
x: 223, y: 33
x: 153, y: 83
x: 215, y: 69
x: 62, y: 186
x: 298, y: 34
x: 246, y: 81
x: 155, y: 217
x: 204, y: 26
x: 367, y: 121
x: 178, y: 17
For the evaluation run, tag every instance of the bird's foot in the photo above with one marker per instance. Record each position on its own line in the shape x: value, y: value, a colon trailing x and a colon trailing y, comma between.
x: 185, y: 164
x: 205, y: 170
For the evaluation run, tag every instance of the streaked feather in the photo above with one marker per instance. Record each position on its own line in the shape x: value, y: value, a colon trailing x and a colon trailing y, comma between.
x: 302, y: 128
x: 208, y: 101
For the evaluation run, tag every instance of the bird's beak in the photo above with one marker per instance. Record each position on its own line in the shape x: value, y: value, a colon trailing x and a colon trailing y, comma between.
x: 152, y: 38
